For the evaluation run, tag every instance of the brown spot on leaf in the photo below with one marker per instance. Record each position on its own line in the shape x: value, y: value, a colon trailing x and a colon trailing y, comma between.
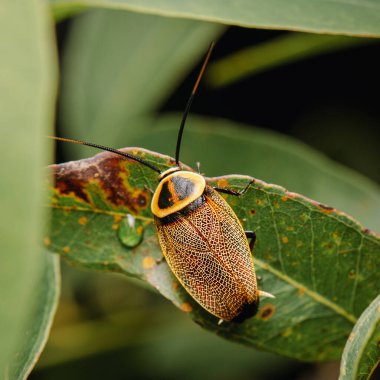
x: 276, y: 204
x: 82, y: 220
x: 259, y: 201
x: 142, y: 200
x: 253, y: 212
x: 72, y: 187
x: 66, y: 249
x: 351, y: 337
x: 175, y: 285
x: 267, y: 311
x: 284, y: 198
x: 326, y: 209
x: 112, y: 171
x: 352, y: 274
x: 186, y: 307
x: 301, y: 291
x: 115, y: 226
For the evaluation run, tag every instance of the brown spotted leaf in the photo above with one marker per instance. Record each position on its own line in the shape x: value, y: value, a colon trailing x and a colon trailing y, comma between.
x: 321, y: 265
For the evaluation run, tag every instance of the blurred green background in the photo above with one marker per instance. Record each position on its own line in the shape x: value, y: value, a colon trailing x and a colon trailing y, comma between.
x: 122, y: 74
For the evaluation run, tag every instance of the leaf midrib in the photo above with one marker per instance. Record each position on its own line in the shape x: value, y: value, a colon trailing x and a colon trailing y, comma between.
x: 311, y: 293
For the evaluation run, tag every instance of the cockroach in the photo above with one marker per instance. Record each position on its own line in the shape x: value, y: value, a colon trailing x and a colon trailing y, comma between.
x: 200, y: 236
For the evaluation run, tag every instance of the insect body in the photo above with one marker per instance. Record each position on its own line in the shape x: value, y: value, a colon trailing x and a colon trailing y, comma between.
x: 201, y: 237
x: 205, y: 245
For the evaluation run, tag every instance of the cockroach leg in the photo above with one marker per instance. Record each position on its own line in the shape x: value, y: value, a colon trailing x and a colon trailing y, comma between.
x: 234, y: 192
x: 251, y: 235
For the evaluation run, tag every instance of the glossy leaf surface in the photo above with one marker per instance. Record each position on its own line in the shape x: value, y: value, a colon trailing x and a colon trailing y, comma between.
x: 40, y: 317
x: 108, y: 78
x: 319, y: 263
x: 277, y: 52
x: 27, y: 89
x: 353, y: 17
x: 361, y: 354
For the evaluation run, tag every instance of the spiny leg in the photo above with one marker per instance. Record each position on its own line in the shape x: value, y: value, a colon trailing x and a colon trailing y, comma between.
x: 251, y: 235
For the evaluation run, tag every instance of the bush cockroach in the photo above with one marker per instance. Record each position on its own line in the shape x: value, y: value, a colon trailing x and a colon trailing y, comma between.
x: 201, y: 237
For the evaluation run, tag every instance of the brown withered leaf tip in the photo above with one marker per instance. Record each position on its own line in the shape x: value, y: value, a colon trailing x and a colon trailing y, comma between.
x: 107, y: 171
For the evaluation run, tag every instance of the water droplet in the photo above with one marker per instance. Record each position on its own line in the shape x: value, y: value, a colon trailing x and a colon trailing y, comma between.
x: 131, y: 231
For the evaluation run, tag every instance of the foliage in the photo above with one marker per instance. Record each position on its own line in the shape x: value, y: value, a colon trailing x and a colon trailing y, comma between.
x: 118, y: 67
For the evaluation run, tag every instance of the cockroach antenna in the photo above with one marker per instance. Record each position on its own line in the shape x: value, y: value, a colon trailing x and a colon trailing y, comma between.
x: 101, y: 147
x: 190, y: 101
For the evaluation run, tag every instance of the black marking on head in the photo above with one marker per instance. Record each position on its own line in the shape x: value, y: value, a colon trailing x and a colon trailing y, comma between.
x: 165, y: 198
x: 184, y: 212
x: 183, y: 187
x: 247, y: 311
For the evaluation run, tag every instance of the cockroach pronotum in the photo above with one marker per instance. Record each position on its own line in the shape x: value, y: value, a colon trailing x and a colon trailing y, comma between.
x: 200, y: 236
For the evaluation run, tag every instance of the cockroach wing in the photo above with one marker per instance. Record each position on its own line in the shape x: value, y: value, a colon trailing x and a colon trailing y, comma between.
x: 208, y: 252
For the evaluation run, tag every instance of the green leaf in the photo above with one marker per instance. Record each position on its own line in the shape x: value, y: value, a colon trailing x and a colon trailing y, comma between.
x: 320, y: 263
x: 272, y: 157
x: 62, y: 13
x: 27, y: 89
x: 361, y: 354
x: 275, y: 52
x: 108, y: 78
x: 352, y: 17
x: 40, y: 317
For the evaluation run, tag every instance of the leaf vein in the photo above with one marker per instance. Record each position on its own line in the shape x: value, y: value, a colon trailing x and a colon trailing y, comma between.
x: 312, y: 294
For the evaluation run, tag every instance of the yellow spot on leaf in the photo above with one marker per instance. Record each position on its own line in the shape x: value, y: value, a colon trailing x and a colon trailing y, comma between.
x: 148, y: 262
x: 285, y: 240
x: 47, y: 241
x: 66, y: 249
x: 301, y: 292
x: 82, y: 220
x: 115, y: 226
x: 186, y: 307
x: 290, y: 228
x: 223, y: 183
x: 259, y: 201
x: 116, y: 218
x: 287, y: 332
x: 276, y: 204
x: 284, y: 198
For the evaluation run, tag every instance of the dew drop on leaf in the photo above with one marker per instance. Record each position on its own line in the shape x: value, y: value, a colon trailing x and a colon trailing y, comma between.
x: 131, y: 231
